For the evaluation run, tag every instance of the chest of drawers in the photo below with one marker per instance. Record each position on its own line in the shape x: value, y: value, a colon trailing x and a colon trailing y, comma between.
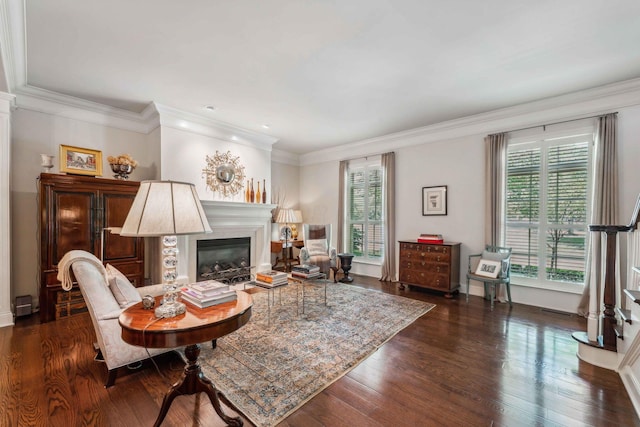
x: 430, y: 266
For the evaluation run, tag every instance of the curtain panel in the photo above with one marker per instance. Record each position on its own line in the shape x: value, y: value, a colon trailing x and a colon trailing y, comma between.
x: 388, y: 271
x: 604, y: 211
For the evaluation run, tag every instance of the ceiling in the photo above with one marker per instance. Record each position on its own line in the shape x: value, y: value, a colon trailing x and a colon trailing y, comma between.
x: 323, y: 73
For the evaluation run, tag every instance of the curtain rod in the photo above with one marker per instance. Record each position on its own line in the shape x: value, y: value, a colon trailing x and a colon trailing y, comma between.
x: 555, y: 123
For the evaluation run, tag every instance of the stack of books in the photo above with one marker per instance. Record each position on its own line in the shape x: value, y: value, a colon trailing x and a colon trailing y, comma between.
x: 305, y: 271
x: 434, y: 239
x: 271, y: 278
x: 207, y: 294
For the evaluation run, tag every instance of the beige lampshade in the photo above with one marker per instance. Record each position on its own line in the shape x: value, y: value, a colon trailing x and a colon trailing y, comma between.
x: 298, y: 215
x: 165, y: 208
x: 286, y: 216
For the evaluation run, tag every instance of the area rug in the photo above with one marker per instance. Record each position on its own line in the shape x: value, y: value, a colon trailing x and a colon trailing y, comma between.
x: 274, y: 364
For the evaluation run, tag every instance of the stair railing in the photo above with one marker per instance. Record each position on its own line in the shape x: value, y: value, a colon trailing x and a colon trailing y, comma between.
x: 608, y: 327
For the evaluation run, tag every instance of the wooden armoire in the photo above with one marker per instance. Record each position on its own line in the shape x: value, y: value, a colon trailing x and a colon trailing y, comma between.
x: 74, y: 212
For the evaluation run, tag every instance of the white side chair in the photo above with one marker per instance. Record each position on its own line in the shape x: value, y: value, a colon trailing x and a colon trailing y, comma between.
x: 317, y: 248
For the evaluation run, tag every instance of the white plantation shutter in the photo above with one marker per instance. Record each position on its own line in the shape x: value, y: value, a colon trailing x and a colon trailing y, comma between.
x: 365, y: 232
x: 546, y: 207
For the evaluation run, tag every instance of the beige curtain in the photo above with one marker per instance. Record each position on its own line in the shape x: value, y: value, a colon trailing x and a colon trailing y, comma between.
x: 388, y: 272
x: 495, y: 182
x: 604, y: 211
x: 342, y: 177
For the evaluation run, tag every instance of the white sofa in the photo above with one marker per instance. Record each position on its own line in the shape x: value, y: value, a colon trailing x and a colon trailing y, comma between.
x: 105, y: 310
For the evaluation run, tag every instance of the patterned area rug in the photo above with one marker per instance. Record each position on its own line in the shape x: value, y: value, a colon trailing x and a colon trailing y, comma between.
x: 274, y: 364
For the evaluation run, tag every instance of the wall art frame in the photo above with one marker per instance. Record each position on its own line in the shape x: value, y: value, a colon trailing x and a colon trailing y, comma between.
x: 80, y: 161
x: 434, y: 200
x: 488, y: 268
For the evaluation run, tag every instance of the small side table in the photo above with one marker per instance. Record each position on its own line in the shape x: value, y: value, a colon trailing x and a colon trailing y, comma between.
x: 141, y: 328
x: 345, y: 264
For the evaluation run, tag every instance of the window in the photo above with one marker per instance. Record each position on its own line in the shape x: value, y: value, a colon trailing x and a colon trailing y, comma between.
x: 364, y: 216
x: 547, y: 204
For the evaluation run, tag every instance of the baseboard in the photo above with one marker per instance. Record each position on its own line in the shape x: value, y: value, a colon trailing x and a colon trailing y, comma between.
x: 632, y: 385
x: 6, y: 319
x: 598, y: 357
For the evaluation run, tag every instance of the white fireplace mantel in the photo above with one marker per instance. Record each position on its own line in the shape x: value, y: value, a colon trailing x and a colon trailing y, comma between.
x: 228, y: 220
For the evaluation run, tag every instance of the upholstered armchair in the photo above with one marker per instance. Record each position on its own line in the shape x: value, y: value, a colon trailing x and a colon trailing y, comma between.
x: 317, y: 248
x: 107, y: 293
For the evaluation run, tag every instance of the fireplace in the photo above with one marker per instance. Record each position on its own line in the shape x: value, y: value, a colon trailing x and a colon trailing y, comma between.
x: 226, y: 260
x: 229, y: 220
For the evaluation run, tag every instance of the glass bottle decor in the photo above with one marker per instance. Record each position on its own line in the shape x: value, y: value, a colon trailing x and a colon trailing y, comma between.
x: 264, y: 191
x: 258, y: 195
x: 253, y: 193
x: 247, y: 194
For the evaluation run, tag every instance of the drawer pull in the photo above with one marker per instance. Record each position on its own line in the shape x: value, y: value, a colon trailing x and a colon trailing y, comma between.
x: 422, y: 254
x: 408, y: 264
x: 423, y: 263
x: 428, y: 248
x: 438, y: 257
x: 438, y: 269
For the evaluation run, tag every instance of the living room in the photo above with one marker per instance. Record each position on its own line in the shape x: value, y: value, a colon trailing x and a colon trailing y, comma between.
x: 171, y: 144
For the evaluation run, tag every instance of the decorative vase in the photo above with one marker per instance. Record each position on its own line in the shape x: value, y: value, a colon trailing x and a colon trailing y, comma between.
x: 253, y: 193
x: 258, y: 195
x: 122, y: 171
x: 247, y: 194
x: 46, y: 162
x: 264, y: 191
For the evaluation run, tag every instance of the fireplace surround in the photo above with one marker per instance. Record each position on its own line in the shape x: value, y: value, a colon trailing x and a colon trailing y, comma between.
x: 230, y: 220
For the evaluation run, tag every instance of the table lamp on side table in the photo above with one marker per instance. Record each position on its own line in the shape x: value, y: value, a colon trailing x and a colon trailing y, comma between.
x: 167, y: 209
x: 286, y: 217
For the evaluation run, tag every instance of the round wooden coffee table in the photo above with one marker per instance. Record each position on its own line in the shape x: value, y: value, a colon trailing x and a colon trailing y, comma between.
x: 141, y: 327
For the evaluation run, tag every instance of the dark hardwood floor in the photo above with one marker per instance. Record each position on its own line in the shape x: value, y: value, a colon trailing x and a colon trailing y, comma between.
x: 459, y: 365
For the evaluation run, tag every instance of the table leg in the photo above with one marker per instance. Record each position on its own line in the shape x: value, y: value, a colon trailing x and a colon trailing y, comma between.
x: 194, y: 381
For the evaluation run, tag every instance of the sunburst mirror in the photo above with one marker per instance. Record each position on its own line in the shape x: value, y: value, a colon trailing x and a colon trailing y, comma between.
x: 224, y: 174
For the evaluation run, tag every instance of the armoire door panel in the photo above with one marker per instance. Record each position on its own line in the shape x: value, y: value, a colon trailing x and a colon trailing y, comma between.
x: 116, y: 208
x: 71, y: 223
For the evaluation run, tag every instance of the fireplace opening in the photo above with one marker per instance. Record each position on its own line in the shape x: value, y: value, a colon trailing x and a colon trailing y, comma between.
x: 225, y: 260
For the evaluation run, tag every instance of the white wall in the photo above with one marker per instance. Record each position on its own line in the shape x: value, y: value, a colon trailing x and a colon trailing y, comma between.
x: 34, y: 133
x: 184, y: 153
x: 459, y: 164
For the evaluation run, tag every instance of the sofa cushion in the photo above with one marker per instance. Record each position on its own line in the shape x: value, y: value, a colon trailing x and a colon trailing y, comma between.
x: 316, y: 247
x: 121, y: 288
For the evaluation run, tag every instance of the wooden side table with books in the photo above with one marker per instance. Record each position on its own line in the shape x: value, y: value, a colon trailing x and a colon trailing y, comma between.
x: 140, y: 327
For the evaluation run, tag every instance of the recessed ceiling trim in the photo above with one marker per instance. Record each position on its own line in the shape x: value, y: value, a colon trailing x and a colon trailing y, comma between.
x: 44, y: 101
x: 182, y: 120
x: 576, y: 105
x: 285, y: 157
x: 13, y: 42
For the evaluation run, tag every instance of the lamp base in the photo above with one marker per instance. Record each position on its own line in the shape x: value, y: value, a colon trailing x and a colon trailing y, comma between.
x: 170, y: 309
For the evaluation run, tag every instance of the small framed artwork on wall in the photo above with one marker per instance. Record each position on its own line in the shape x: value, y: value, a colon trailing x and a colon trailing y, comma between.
x: 80, y: 161
x: 434, y: 200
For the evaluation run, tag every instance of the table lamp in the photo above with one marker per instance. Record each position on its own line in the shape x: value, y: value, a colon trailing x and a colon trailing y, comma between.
x: 286, y: 216
x: 166, y: 209
x: 294, y: 227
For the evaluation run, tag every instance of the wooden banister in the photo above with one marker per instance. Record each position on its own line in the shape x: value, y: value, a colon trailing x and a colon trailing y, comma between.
x: 609, y: 336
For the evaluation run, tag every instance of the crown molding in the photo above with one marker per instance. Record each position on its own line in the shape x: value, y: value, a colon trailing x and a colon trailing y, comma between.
x: 285, y: 157
x: 184, y: 121
x: 49, y: 102
x: 576, y: 105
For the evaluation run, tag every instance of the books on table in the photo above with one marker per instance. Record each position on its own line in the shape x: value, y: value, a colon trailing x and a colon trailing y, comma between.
x: 207, y: 294
x: 305, y: 271
x: 271, y: 278
x: 435, y: 239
